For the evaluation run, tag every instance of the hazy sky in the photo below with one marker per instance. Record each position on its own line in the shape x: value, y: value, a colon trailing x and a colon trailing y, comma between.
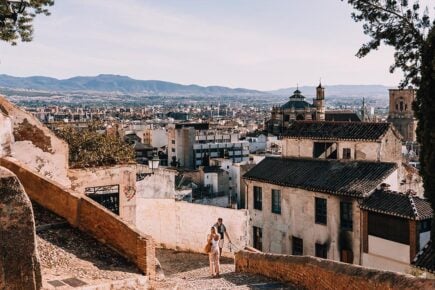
x: 259, y: 44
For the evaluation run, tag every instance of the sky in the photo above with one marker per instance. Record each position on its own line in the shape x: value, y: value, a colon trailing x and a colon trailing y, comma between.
x: 256, y: 44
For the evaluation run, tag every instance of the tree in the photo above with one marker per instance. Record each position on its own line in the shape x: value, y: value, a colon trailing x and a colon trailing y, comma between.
x: 89, y: 148
x: 402, y: 25
x: 19, y: 26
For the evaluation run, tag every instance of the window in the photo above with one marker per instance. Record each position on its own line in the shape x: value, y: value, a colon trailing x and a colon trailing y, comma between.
x: 173, y: 141
x: 258, y: 199
x: 325, y: 150
x: 320, y: 211
x: 107, y: 196
x: 297, y: 246
x: 173, y: 149
x: 276, y: 201
x: 346, y: 222
x: 258, y: 236
x: 346, y: 153
x: 321, y: 251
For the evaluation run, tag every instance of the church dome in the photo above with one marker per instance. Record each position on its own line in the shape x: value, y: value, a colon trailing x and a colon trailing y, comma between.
x: 297, y: 102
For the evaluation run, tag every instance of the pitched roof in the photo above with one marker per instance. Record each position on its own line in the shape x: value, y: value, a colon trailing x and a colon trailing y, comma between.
x: 398, y: 204
x: 337, y: 130
x: 425, y: 259
x: 342, y: 116
x: 350, y: 178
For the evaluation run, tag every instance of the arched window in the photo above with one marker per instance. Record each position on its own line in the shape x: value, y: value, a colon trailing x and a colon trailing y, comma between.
x: 300, y: 117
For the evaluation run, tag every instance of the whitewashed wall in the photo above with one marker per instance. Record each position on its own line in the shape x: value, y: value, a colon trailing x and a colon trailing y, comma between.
x: 182, y: 225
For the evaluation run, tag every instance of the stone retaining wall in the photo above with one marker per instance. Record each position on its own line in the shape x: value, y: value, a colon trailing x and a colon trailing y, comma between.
x: 315, y: 273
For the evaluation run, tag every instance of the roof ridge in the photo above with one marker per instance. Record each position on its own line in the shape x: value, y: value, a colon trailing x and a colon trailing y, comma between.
x: 413, y: 206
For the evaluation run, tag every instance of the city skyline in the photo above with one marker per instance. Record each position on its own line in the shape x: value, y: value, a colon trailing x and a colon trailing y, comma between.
x: 250, y: 44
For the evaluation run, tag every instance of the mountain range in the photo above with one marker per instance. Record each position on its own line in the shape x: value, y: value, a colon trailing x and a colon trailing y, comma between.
x: 126, y: 85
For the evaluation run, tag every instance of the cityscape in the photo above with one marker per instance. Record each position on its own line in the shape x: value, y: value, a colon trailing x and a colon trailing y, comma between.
x: 191, y: 177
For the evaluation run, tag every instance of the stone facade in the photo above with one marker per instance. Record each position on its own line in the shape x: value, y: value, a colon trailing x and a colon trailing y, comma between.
x: 386, y: 149
x: 297, y: 219
x: 19, y: 262
x: 401, y: 113
x: 297, y: 109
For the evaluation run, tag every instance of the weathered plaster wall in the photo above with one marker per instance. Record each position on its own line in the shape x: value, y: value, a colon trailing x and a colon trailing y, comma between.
x: 19, y: 260
x: 184, y: 226
x: 160, y: 184
x: 35, y: 145
x: 122, y: 175
x: 5, y: 135
x: 391, y: 148
x: 317, y: 274
x: 386, y: 150
x: 297, y: 219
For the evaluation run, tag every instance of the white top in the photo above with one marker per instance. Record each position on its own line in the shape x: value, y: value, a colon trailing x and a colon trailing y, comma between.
x: 214, y: 245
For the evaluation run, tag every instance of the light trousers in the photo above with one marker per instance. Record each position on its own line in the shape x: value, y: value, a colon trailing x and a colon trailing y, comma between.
x: 214, y: 261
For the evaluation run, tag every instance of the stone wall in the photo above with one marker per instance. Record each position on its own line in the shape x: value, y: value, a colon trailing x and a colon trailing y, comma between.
x: 314, y: 273
x: 89, y: 216
x: 19, y: 261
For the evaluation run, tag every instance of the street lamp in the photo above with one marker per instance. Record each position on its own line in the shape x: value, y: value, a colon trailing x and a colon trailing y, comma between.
x: 11, y: 9
x: 152, y: 164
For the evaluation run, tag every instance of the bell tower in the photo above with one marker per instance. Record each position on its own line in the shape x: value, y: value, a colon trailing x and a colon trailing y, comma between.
x: 401, y: 113
x: 319, y: 102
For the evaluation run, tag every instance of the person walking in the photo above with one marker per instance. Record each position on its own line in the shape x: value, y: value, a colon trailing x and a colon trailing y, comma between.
x: 213, y: 251
x: 222, y: 231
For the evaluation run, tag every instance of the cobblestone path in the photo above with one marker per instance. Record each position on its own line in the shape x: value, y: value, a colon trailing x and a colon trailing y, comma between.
x: 190, y: 271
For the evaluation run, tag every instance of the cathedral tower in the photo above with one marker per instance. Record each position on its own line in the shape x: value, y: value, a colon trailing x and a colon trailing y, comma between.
x: 319, y: 103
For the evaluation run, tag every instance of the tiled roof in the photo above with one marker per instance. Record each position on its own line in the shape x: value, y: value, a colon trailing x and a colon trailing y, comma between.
x: 337, y: 130
x: 342, y: 116
x: 398, y: 204
x: 425, y: 259
x: 296, y: 104
x: 350, y: 178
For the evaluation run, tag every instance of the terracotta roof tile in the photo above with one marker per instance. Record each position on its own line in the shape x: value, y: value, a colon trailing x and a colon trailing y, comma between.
x: 337, y: 130
x: 398, y: 204
x: 350, y: 178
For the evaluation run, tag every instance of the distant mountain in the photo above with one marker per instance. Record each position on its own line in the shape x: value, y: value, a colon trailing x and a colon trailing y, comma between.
x: 117, y: 83
x: 106, y: 83
x: 354, y: 91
